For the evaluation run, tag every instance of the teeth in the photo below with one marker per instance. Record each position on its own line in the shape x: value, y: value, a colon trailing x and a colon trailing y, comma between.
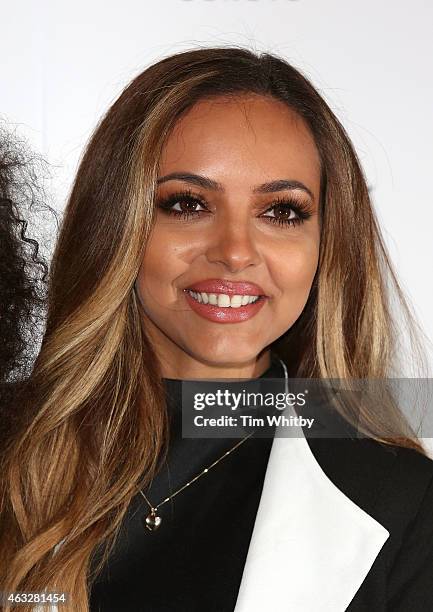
x: 236, y: 301
x: 223, y: 300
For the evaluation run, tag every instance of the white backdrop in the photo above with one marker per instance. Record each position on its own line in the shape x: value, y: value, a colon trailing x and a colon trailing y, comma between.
x: 63, y: 63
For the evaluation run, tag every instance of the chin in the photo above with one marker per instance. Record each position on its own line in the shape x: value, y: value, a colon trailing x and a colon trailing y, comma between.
x: 234, y: 355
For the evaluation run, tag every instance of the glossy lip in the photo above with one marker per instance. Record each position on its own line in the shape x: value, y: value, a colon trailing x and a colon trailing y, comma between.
x: 219, y: 285
x: 218, y: 314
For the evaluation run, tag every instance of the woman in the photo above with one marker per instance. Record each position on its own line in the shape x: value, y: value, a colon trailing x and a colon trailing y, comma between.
x: 23, y: 270
x: 219, y: 228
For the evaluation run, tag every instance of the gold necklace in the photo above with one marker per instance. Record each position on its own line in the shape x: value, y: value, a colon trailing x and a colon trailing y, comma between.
x: 152, y: 521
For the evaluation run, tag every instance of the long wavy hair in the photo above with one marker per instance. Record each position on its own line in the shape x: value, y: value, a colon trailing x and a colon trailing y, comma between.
x: 96, y: 425
x: 23, y: 269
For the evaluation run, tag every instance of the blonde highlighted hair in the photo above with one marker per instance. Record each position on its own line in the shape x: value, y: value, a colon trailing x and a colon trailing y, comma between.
x: 94, y: 426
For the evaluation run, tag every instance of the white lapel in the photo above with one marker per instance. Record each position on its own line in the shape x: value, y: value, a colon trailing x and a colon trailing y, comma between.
x: 311, y: 546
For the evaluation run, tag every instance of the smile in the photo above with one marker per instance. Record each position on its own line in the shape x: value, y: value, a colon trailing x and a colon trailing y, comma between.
x: 224, y: 308
x: 222, y: 299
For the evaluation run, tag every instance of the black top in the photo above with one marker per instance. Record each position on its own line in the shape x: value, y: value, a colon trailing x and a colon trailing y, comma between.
x: 195, y: 559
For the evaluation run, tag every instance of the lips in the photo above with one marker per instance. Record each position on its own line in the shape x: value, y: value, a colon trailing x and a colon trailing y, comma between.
x: 219, y: 314
x: 216, y: 285
x: 222, y: 301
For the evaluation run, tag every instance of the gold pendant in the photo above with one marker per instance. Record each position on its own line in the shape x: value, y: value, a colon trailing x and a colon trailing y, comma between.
x: 152, y: 521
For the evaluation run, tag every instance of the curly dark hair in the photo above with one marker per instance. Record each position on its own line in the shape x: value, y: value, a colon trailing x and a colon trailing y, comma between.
x: 23, y: 269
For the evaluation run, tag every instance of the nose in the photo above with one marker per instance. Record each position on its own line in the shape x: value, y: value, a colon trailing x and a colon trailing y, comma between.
x: 233, y: 244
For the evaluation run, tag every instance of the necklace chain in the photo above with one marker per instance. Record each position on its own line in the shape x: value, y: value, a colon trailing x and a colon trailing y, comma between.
x: 152, y: 521
x: 198, y: 475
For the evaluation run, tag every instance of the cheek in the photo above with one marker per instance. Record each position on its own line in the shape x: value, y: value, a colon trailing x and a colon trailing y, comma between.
x: 162, y: 264
x: 153, y: 277
x: 294, y: 277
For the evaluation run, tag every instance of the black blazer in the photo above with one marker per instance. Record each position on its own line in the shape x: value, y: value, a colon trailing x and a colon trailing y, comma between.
x: 355, y: 528
x: 393, y: 485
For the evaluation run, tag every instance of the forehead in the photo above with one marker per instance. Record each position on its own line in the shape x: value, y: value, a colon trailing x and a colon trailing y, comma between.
x: 243, y: 139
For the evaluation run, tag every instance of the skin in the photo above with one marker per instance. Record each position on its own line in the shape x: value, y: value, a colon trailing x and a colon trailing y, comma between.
x: 240, y: 143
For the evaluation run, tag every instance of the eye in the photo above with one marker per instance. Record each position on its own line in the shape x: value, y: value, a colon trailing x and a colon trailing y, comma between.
x: 288, y: 211
x: 183, y: 204
x: 285, y: 212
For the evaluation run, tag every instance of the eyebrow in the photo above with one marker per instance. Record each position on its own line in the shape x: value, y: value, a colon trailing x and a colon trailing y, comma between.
x: 207, y: 183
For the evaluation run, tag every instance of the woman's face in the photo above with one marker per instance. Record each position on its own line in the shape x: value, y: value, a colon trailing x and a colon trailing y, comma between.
x: 236, y: 215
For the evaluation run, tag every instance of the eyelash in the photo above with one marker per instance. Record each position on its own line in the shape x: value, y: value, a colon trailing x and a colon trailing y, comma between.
x: 302, y: 210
